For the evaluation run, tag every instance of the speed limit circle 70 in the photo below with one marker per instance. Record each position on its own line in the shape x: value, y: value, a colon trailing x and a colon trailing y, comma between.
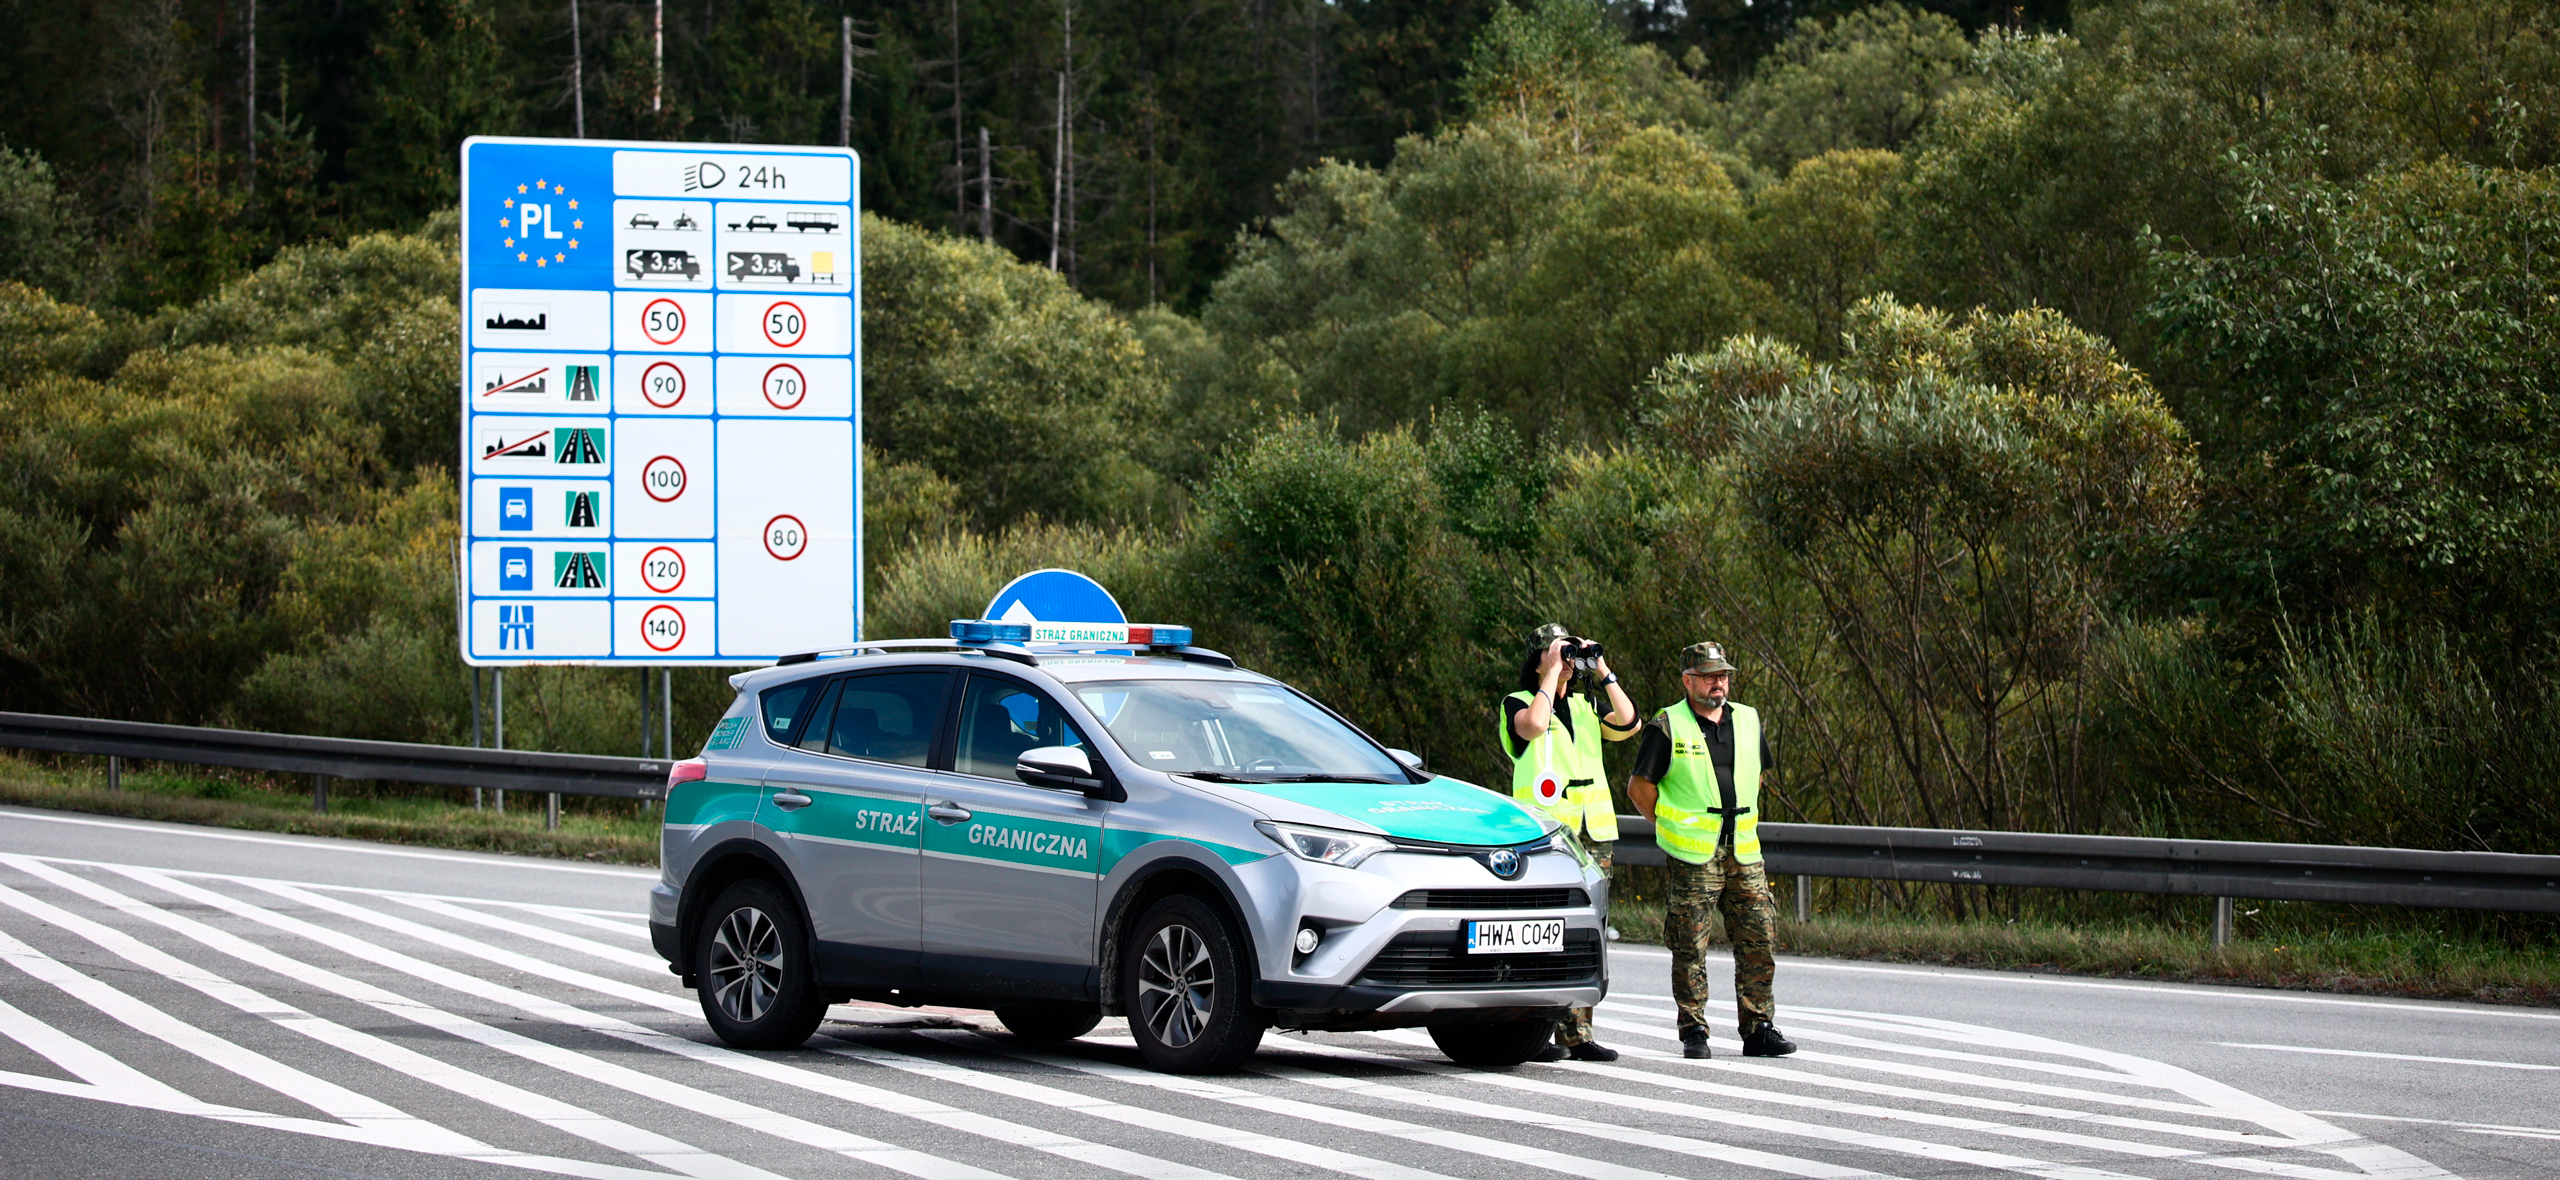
x: 662, y: 321
x: 785, y: 537
x: 663, y: 478
x: 785, y: 324
x: 785, y: 386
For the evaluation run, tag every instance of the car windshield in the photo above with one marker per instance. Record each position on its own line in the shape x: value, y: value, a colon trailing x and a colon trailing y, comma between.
x: 1234, y: 731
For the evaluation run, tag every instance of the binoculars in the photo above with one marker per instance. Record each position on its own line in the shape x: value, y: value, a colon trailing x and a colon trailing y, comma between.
x: 1585, y: 653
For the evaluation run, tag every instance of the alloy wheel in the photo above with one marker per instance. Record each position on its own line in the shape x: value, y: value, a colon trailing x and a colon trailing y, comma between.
x: 1177, y: 986
x: 746, y: 964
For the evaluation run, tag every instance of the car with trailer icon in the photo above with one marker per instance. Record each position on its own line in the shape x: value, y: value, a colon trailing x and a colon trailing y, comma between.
x: 1117, y: 823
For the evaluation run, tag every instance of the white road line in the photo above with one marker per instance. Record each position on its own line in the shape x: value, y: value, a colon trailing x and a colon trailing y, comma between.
x: 636, y: 960
x: 1289, y: 1150
x: 2388, y: 1056
x: 619, y: 1136
x: 2412, y: 1007
x: 846, y: 1090
x: 691, y: 1099
x: 2397, y: 1118
x: 1329, y: 1116
x: 324, y: 844
x: 2069, y: 1071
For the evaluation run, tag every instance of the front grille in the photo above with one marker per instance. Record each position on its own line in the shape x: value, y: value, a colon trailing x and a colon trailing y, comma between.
x: 1422, y: 958
x: 1493, y: 899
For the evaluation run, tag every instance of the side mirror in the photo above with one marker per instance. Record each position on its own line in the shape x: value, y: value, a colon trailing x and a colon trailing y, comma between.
x: 1064, y: 768
x: 1411, y: 760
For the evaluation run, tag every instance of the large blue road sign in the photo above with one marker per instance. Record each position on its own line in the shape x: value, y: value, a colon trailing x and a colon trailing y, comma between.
x: 1054, y: 596
x: 661, y: 401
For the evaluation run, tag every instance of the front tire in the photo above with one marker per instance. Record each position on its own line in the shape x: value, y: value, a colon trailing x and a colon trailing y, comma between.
x: 1187, y: 989
x: 1493, y: 1046
x: 1057, y: 1023
x: 752, y: 965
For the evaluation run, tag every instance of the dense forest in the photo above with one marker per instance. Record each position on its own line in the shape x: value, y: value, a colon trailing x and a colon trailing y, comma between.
x: 2130, y: 417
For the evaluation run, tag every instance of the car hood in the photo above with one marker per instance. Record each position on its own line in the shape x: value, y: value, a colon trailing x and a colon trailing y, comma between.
x: 1443, y: 810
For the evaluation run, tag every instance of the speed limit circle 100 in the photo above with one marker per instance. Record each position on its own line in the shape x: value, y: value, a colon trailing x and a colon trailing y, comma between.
x: 785, y: 324
x: 662, y: 569
x: 663, y: 385
x: 785, y: 537
x: 662, y: 321
x: 662, y: 627
x: 785, y: 386
x: 663, y: 478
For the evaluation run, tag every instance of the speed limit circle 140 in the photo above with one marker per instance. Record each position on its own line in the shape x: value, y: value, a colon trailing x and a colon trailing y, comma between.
x: 663, y: 478
x: 785, y: 386
x: 785, y: 537
x: 663, y: 385
x: 662, y: 627
x: 662, y: 321
x: 785, y: 324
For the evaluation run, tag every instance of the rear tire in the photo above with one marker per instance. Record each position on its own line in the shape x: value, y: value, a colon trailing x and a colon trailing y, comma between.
x: 752, y: 968
x: 1493, y: 1046
x: 1186, y: 985
x: 1056, y: 1023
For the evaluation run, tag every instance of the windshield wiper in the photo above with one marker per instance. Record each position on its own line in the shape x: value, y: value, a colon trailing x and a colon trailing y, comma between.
x: 1211, y: 776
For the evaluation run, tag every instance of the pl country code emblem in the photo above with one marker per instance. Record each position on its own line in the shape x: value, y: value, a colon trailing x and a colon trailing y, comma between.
x: 541, y: 222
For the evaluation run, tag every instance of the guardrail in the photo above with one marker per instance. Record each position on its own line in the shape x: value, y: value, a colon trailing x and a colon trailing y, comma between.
x: 2219, y: 869
x: 324, y: 758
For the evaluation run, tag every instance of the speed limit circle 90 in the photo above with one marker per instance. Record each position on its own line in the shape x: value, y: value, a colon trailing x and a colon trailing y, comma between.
x: 785, y: 386
x: 785, y: 324
x: 662, y: 627
x: 785, y: 537
x: 663, y: 478
x: 663, y: 385
x: 662, y: 569
x: 662, y: 321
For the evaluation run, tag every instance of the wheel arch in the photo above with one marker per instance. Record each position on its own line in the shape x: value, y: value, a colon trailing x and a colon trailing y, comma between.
x: 1161, y: 878
x: 724, y: 865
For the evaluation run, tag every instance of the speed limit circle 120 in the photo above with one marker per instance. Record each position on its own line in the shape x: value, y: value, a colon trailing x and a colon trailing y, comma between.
x: 785, y: 324
x: 662, y: 321
x: 785, y: 386
x: 662, y: 569
x: 663, y: 478
x: 662, y: 627
x: 662, y: 385
x: 785, y: 537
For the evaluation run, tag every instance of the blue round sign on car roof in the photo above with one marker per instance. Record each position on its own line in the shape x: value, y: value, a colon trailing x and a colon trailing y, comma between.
x: 1054, y: 596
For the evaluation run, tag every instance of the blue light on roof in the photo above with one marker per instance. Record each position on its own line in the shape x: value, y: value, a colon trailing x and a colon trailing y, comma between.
x: 989, y: 631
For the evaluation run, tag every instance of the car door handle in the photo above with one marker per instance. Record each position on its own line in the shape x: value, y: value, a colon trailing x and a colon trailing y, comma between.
x: 949, y: 813
x: 790, y: 800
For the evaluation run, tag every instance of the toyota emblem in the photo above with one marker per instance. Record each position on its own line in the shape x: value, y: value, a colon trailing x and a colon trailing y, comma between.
x: 1504, y: 862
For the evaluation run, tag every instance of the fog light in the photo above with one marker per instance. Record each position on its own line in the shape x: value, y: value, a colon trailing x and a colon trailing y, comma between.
x: 1307, y: 940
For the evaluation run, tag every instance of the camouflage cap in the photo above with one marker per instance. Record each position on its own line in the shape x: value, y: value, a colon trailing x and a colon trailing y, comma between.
x: 1540, y: 638
x: 1704, y: 657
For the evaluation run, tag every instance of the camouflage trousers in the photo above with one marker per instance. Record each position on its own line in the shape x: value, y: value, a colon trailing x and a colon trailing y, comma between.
x: 1741, y: 891
x: 1575, y: 1028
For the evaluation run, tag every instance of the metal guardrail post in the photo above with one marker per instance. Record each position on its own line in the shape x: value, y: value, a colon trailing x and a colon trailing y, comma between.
x: 319, y: 794
x: 551, y: 812
x: 1804, y: 898
x: 115, y: 773
x: 2221, y: 922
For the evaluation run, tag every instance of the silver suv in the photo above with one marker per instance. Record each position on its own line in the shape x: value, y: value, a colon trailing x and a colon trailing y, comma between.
x: 1061, y: 833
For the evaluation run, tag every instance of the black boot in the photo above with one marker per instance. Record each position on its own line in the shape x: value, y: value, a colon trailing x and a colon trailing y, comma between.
x: 1549, y: 1053
x: 1765, y: 1041
x: 1592, y: 1051
x: 1693, y: 1043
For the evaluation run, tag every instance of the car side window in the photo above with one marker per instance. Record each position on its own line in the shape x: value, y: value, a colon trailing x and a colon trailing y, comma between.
x: 999, y: 719
x: 785, y: 705
x: 889, y: 717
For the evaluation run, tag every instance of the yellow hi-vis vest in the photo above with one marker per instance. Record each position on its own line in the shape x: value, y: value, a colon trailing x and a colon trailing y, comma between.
x: 1561, y: 778
x: 1688, y: 815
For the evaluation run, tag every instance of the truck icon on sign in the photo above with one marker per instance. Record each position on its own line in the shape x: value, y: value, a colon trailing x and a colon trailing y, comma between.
x: 744, y: 265
x: 661, y: 264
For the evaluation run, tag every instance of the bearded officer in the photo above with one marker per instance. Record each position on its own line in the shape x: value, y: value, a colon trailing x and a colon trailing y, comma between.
x: 1697, y: 777
x: 1553, y: 736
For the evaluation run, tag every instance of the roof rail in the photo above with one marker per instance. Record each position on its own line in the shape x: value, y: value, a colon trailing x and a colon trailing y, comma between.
x: 1006, y: 651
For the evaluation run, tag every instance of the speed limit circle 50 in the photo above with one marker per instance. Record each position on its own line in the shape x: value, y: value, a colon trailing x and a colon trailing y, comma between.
x: 785, y: 324
x: 663, y: 478
x: 785, y: 537
x: 662, y: 321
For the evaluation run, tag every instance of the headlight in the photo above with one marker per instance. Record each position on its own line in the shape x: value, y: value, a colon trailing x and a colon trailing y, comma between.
x: 1325, y: 845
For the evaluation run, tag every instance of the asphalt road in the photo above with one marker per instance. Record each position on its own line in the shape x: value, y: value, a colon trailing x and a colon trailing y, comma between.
x: 186, y: 1002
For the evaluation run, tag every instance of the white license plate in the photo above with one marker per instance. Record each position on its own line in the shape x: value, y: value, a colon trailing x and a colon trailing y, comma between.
x: 1516, y: 936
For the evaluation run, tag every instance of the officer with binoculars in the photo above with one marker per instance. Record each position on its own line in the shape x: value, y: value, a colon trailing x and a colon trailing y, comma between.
x: 1553, y: 735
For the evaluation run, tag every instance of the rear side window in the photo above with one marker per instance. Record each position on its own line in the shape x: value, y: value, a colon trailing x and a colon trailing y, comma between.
x: 784, y: 706
x: 890, y: 717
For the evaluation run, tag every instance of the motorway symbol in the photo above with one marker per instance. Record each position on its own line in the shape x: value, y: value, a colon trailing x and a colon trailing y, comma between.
x: 662, y: 321
x: 662, y: 627
x: 662, y: 569
x: 577, y: 444
x: 580, y: 510
x: 577, y: 570
x: 785, y: 386
x: 785, y: 537
x: 583, y: 380
x: 663, y: 478
x: 515, y: 627
x: 662, y: 385
x: 785, y: 324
